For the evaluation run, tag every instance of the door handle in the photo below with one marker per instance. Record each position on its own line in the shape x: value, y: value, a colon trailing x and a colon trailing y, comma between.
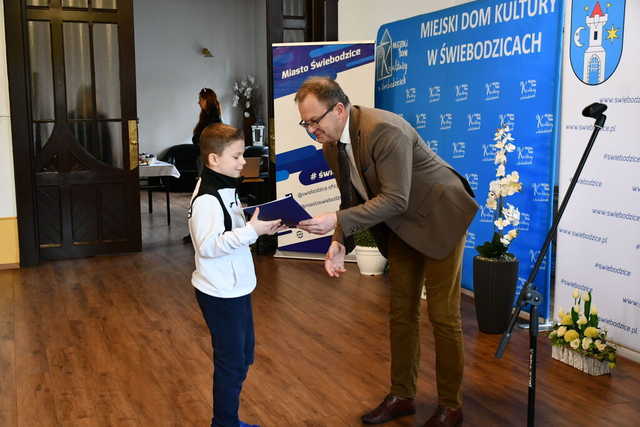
x: 133, y: 144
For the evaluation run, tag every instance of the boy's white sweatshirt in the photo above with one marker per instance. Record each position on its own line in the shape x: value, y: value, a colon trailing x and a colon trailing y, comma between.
x: 224, y: 265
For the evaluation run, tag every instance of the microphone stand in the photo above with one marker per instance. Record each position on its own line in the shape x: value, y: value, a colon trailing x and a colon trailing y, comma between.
x: 528, y: 294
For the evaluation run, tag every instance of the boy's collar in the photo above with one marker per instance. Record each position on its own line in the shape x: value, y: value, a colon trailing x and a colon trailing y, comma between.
x: 218, y: 180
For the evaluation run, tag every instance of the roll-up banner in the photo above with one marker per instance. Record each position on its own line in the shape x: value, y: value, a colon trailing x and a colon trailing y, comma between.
x: 599, y: 235
x: 460, y: 73
x: 300, y: 167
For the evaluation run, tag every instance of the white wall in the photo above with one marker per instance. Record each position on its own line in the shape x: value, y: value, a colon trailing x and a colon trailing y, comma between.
x: 360, y: 19
x: 170, y: 71
x: 7, y: 183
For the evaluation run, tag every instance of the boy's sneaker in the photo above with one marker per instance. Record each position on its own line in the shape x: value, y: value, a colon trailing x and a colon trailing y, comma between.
x: 243, y: 424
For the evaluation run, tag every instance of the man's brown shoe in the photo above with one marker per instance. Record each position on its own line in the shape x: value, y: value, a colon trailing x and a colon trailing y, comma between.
x: 392, y: 407
x: 445, y: 417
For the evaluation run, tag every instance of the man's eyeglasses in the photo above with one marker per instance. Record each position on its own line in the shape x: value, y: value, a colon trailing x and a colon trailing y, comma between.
x: 315, y: 122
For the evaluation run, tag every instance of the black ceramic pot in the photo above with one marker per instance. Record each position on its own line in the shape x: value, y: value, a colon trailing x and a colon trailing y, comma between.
x: 494, y: 287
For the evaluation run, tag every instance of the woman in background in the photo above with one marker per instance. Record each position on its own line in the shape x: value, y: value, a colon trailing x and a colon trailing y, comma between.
x: 210, y: 113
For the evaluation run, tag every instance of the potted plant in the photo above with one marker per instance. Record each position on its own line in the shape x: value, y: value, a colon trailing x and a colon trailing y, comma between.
x: 577, y: 341
x: 370, y: 260
x: 495, y: 269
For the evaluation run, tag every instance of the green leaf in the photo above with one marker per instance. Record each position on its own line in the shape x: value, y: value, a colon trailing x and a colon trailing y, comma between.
x: 587, y: 308
x: 574, y: 316
x: 492, y: 249
x: 364, y: 238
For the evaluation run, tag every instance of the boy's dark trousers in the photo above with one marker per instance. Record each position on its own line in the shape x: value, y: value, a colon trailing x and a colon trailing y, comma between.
x: 230, y: 321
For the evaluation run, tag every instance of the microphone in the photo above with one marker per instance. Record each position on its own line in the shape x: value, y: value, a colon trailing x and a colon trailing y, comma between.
x: 594, y: 110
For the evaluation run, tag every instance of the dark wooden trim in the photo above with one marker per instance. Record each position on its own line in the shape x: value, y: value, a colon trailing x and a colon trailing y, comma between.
x: 128, y: 100
x: 90, y: 120
x: 323, y: 20
x: 331, y: 20
x: 310, y: 21
x: 126, y: 39
x: 72, y: 15
x: 274, y: 21
x: 59, y: 71
x: 22, y: 156
x: 92, y: 65
x: 274, y: 35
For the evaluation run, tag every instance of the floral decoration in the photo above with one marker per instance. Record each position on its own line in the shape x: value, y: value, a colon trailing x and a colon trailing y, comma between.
x: 244, y: 95
x: 578, y: 329
x: 505, y: 218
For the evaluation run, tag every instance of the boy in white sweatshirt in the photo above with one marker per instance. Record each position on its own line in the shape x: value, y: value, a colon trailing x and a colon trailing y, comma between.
x: 225, y: 276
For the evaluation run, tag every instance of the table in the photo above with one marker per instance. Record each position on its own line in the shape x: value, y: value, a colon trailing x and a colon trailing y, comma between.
x: 157, y: 169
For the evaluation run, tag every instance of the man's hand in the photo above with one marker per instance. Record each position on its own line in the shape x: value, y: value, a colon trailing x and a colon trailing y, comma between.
x: 334, y: 259
x: 321, y: 224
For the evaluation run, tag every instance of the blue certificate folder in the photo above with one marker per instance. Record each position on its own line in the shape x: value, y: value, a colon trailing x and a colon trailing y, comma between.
x: 287, y: 209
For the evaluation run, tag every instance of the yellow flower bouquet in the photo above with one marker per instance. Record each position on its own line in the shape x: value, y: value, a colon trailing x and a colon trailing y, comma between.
x: 578, y: 331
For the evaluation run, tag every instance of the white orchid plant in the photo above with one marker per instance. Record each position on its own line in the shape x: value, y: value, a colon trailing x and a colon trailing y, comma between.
x: 244, y: 95
x: 578, y: 329
x: 505, y: 218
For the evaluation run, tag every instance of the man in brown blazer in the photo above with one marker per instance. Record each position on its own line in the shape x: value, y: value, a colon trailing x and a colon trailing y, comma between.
x: 418, y: 209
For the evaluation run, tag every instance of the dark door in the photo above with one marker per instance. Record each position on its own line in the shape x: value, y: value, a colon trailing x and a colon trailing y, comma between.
x: 80, y: 126
x: 290, y: 21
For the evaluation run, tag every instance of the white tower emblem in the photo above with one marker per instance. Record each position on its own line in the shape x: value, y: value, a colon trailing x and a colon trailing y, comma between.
x: 595, y: 54
x: 384, y: 60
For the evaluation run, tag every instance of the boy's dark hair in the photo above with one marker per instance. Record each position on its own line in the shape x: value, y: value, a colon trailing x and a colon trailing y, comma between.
x: 214, y: 138
x: 327, y: 90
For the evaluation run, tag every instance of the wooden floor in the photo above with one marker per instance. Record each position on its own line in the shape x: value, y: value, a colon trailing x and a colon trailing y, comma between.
x: 119, y: 341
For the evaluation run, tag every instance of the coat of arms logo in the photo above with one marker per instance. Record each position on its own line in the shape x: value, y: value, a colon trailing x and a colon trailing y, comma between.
x: 596, y: 44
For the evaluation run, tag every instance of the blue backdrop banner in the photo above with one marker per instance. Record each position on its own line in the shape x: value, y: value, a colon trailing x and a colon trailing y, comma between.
x: 460, y: 73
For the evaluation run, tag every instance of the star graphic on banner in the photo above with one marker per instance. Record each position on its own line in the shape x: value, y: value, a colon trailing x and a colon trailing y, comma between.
x: 609, y: 5
x: 612, y: 33
x: 586, y: 8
